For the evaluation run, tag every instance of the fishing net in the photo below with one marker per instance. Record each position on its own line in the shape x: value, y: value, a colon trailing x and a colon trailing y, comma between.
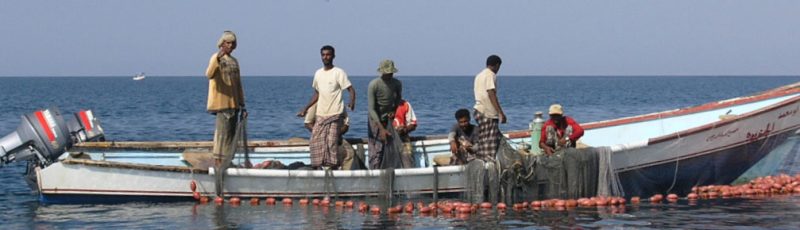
x: 580, y: 170
x: 527, y: 183
x: 554, y: 175
x: 386, y: 191
x: 785, y: 158
x: 608, y: 183
x: 227, y: 159
x: 476, y: 175
x: 515, y: 176
x: 391, y: 160
x: 511, y: 172
x: 392, y: 152
x: 574, y: 173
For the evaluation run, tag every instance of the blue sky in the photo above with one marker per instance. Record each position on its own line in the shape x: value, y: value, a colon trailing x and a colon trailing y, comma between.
x: 282, y: 38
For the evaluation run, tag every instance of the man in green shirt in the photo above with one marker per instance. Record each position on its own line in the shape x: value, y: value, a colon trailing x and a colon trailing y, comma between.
x: 383, y: 97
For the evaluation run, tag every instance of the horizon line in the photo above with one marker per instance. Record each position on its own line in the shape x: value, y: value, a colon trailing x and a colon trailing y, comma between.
x: 401, y: 76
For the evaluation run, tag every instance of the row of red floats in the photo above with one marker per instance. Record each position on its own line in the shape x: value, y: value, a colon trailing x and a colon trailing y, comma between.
x: 780, y: 184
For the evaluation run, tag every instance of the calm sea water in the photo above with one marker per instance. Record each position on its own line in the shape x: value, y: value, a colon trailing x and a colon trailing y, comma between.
x: 173, y: 108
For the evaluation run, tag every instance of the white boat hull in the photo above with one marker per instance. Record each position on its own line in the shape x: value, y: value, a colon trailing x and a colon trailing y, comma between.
x: 653, y: 153
x: 60, y: 181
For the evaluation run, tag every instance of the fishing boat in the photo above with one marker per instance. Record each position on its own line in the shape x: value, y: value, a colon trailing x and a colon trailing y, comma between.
x: 139, y: 76
x: 670, y: 151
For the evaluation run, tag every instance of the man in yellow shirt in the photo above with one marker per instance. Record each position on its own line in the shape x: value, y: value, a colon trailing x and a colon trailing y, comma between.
x: 226, y: 101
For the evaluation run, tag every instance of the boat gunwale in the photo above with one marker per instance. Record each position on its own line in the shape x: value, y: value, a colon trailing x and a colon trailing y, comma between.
x: 138, y: 166
x: 254, y: 172
x: 712, y: 125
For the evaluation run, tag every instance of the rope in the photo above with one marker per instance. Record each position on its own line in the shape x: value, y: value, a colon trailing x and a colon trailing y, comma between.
x: 435, y: 181
x: 425, y: 153
x: 390, y: 185
x: 330, y: 184
x: 326, y: 183
x: 674, y: 176
x: 247, y: 163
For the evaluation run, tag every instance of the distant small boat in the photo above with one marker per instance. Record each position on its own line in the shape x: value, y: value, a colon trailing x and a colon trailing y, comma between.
x: 139, y: 76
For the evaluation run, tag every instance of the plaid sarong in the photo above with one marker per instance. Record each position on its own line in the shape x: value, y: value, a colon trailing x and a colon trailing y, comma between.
x: 384, y: 154
x: 325, y: 138
x: 488, y: 136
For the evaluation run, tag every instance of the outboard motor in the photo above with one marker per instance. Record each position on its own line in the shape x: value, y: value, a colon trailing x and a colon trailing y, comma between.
x: 44, y: 135
x: 85, y: 127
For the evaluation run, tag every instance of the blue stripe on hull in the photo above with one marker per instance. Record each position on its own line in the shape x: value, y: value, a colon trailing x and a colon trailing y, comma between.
x: 107, y: 199
x: 721, y: 168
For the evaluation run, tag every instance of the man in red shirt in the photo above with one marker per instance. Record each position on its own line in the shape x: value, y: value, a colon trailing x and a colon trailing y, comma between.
x: 559, y: 131
x: 405, y: 122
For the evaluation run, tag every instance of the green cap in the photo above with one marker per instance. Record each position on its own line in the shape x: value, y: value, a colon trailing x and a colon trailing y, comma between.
x: 387, y: 66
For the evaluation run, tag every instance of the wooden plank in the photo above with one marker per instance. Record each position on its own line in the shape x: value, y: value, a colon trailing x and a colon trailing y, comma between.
x: 123, y: 165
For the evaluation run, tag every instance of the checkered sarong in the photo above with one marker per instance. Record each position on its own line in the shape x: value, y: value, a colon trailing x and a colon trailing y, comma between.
x: 488, y: 136
x: 325, y: 139
x: 384, y: 154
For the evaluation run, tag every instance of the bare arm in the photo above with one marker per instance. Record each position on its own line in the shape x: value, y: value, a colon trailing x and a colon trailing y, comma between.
x: 213, y: 65
x: 313, y: 101
x: 547, y: 150
x: 352, y: 104
x: 496, y: 104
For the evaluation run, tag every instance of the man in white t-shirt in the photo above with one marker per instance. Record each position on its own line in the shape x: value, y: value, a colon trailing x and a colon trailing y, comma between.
x: 488, y: 112
x: 329, y: 82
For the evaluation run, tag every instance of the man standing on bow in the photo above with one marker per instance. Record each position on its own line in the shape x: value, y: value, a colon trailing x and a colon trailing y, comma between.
x: 488, y: 112
x: 329, y: 82
x: 226, y: 101
x: 383, y: 97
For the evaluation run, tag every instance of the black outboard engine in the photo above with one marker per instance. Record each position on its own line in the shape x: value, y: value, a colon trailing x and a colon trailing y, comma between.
x: 85, y: 127
x: 44, y: 135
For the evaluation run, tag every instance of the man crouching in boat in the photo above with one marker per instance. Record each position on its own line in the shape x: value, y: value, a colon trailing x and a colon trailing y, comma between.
x: 405, y: 122
x: 462, y: 137
x: 383, y: 97
x: 559, y: 131
x: 226, y: 100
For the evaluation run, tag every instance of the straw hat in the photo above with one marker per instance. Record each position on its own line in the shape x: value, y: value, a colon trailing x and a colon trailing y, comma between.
x: 556, y: 109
